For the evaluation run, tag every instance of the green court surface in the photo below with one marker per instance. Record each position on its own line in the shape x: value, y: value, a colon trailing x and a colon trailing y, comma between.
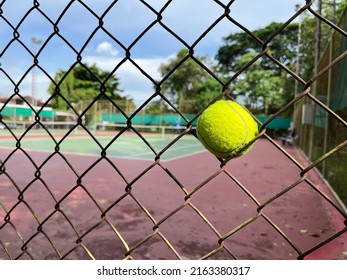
x: 126, y: 146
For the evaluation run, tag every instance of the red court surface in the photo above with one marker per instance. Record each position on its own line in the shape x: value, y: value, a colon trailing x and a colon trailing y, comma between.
x: 301, y: 213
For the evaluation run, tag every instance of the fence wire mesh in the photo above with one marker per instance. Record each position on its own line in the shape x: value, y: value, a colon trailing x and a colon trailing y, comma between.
x: 83, y: 242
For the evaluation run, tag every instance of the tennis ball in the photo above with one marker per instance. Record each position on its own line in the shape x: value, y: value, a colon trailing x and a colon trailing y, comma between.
x: 225, y: 127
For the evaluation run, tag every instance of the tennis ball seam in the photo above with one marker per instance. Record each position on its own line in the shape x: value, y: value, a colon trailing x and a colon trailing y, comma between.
x: 228, y: 153
x: 231, y: 152
x: 242, y: 118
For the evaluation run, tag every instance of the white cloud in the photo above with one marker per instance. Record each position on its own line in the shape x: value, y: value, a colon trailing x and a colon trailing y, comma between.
x: 42, y: 84
x: 106, y: 48
x: 133, y: 82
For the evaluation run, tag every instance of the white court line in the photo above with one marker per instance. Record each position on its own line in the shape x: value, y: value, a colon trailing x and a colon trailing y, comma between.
x: 115, y: 156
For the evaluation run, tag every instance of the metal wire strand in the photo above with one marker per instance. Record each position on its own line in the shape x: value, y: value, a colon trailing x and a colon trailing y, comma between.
x: 104, y: 219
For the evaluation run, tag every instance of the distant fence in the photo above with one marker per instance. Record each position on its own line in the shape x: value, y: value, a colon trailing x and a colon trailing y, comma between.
x: 320, y: 131
x: 17, y: 112
x: 168, y: 119
x: 147, y: 119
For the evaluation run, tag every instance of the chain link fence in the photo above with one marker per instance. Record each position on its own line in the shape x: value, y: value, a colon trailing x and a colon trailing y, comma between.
x: 25, y: 200
x: 320, y: 131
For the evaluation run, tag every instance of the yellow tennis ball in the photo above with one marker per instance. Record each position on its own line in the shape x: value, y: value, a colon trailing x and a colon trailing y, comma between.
x: 225, y: 127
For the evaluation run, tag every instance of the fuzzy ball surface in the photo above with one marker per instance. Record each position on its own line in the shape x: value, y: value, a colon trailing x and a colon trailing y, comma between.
x: 225, y: 127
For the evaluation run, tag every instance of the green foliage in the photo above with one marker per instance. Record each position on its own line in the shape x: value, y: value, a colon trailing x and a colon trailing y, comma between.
x: 206, y: 92
x: 261, y: 89
x: 83, y: 83
x: 308, y: 33
x: 157, y: 107
x: 264, y: 87
x: 282, y: 47
x: 189, y: 85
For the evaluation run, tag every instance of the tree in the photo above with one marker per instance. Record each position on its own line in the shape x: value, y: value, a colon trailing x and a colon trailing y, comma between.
x: 308, y: 30
x: 206, y: 92
x: 83, y: 83
x: 260, y: 89
x: 282, y: 47
x: 189, y: 83
x: 264, y: 86
x: 157, y: 107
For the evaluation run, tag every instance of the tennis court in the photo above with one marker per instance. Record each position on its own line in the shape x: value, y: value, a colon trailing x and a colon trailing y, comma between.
x: 129, y: 145
x: 75, y: 204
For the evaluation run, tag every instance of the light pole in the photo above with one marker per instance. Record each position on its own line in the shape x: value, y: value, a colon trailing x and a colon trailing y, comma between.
x: 318, y: 36
x: 297, y: 7
x: 35, y: 43
x: 334, y: 11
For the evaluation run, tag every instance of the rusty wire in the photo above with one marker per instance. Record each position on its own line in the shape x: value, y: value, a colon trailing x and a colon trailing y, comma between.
x: 188, y: 201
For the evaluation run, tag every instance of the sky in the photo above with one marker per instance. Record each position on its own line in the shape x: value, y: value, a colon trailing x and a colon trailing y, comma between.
x: 125, y: 21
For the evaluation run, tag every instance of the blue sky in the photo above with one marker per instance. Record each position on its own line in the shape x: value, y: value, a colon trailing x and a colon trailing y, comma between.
x: 125, y: 21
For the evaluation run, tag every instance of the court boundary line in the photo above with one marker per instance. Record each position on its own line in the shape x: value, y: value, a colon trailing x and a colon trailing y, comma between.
x: 109, y: 156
